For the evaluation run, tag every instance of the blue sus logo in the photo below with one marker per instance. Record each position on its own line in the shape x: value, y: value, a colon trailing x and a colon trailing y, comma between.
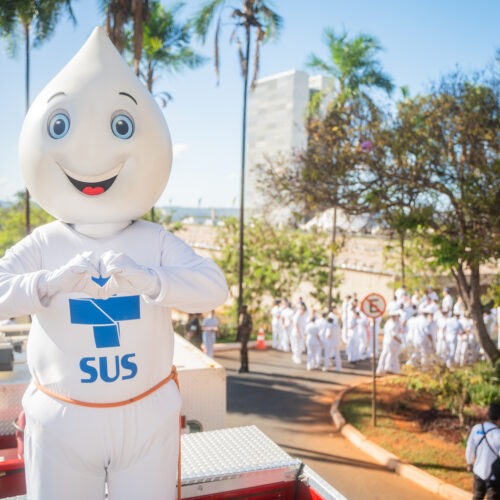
x: 104, y: 317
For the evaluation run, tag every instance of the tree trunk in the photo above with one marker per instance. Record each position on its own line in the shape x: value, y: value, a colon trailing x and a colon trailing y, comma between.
x: 27, y: 214
x: 242, y: 181
x: 138, y: 33
x: 402, y: 244
x: 332, y: 256
x: 482, y: 336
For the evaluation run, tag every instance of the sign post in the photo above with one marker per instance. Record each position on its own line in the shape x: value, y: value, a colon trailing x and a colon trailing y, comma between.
x: 373, y: 306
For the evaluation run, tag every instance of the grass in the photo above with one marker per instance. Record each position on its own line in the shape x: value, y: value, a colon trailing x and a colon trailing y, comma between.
x: 402, y: 435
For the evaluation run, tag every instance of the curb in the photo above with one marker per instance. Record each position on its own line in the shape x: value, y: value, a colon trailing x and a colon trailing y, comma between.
x: 391, y: 461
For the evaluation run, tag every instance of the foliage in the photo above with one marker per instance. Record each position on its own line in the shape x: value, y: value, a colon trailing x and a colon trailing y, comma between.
x: 119, y: 14
x: 252, y: 15
x: 329, y: 172
x: 41, y: 16
x: 352, y: 65
x: 493, y: 292
x: 164, y: 218
x: 12, y: 222
x: 166, y: 45
x: 458, y: 389
x: 442, y: 150
x: 420, y: 263
x: 277, y: 261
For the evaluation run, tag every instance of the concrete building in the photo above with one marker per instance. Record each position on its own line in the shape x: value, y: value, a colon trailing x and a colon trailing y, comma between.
x: 276, y: 129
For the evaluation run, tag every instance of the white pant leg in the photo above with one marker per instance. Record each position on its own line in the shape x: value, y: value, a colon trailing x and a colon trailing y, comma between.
x: 327, y: 352
x: 317, y: 355
x: 349, y: 346
x: 392, y: 363
x: 451, y: 346
x: 287, y: 337
x: 296, y: 348
x: 338, y: 359
x: 382, y: 360
x: 209, y: 341
x: 312, y: 349
x: 70, y: 449
x: 275, y: 341
x: 151, y: 475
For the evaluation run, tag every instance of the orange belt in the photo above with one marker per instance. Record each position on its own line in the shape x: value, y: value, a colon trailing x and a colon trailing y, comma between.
x: 173, y: 376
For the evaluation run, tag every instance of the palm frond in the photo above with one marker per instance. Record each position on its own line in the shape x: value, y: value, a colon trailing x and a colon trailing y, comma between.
x: 204, y: 17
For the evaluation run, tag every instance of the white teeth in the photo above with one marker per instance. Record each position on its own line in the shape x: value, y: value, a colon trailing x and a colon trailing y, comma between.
x: 92, y: 178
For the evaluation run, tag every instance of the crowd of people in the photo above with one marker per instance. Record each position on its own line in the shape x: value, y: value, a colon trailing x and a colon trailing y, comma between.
x: 421, y: 327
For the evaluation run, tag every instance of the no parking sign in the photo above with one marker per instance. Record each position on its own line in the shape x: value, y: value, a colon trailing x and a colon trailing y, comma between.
x: 373, y: 305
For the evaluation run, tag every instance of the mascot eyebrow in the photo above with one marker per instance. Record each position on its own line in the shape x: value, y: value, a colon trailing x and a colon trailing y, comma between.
x: 128, y: 95
x: 55, y: 95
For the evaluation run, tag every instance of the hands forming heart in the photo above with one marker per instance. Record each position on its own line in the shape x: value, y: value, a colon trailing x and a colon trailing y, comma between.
x: 101, y: 277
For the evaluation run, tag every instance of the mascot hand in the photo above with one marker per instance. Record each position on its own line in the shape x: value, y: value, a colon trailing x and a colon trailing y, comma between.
x: 127, y: 276
x: 75, y: 276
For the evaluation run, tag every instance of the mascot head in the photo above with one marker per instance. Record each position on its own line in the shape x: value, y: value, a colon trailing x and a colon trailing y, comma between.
x: 95, y: 147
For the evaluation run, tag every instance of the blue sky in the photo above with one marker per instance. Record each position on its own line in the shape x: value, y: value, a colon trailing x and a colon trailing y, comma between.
x: 422, y: 41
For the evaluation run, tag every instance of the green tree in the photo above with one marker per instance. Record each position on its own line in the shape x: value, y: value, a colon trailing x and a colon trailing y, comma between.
x: 166, y: 45
x: 454, y: 132
x: 353, y: 67
x: 12, y: 221
x: 278, y: 261
x: 253, y: 16
x: 355, y: 72
x: 34, y: 21
x: 330, y: 171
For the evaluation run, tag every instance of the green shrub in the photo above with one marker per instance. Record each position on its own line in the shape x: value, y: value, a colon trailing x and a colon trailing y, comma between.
x: 458, y: 389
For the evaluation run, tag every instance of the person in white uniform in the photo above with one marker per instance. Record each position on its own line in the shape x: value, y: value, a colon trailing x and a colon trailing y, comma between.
x: 210, y: 328
x: 463, y: 351
x: 103, y: 406
x: 422, y: 340
x: 287, y: 324
x: 482, y: 455
x: 345, y: 318
x: 331, y: 343
x: 275, y: 323
x: 447, y: 302
x: 452, y: 329
x: 312, y: 342
x: 298, y: 332
x: 357, y: 340
x: 391, y: 347
x: 400, y: 294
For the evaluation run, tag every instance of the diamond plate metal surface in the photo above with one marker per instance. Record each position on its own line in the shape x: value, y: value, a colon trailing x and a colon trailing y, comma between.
x: 215, y: 455
x: 10, y: 406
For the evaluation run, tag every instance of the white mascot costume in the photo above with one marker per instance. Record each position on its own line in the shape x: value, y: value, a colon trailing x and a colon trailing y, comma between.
x: 102, y: 408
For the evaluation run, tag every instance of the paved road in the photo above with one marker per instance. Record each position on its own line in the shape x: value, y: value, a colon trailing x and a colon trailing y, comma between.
x: 291, y: 405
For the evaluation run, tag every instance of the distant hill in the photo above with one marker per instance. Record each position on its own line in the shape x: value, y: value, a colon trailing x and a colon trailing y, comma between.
x: 200, y: 214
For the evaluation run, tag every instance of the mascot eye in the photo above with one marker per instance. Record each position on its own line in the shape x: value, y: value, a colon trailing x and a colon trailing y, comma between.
x: 122, y: 126
x: 58, y: 125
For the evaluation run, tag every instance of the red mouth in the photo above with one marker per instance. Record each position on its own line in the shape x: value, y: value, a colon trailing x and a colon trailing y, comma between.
x: 92, y: 188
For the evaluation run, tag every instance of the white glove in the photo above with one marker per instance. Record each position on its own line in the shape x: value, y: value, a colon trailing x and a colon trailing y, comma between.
x: 75, y: 276
x: 126, y: 276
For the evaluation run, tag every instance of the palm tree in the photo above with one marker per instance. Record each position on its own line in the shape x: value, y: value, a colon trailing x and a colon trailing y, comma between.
x: 253, y: 16
x: 352, y: 66
x: 118, y: 14
x: 355, y: 71
x: 166, y: 47
x: 37, y: 17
